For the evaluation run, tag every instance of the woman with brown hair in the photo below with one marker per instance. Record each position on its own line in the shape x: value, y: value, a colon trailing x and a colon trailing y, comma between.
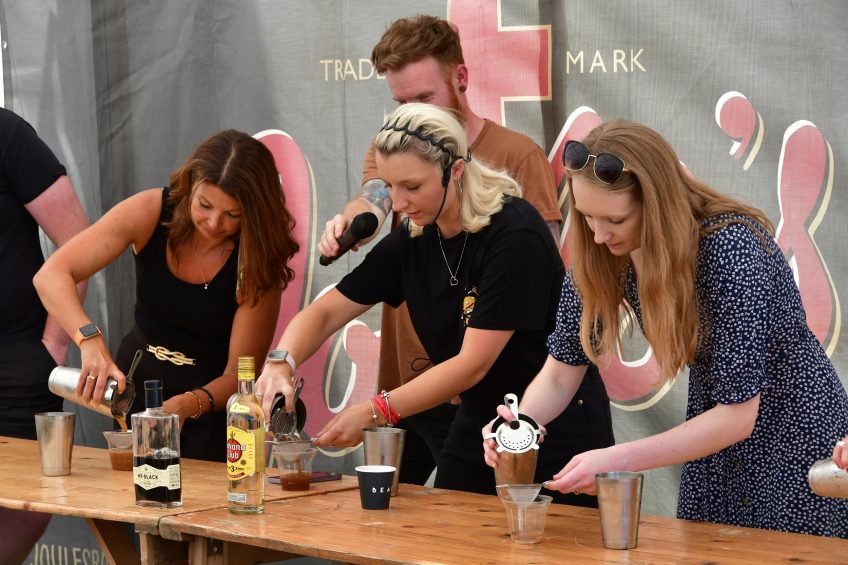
x: 211, y: 254
x: 711, y: 291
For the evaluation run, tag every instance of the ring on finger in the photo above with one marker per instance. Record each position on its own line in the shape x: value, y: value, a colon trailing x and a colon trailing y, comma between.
x: 260, y: 394
x: 91, y: 378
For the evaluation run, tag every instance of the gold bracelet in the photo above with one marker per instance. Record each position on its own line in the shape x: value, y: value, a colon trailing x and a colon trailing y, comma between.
x: 199, y: 405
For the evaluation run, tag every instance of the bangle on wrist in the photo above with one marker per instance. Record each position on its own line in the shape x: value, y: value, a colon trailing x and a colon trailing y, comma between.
x: 373, y: 412
x: 199, y: 405
x: 209, y: 396
x: 381, y: 403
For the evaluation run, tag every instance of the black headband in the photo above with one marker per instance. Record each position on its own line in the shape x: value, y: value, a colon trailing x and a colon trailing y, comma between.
x: 425, y: 137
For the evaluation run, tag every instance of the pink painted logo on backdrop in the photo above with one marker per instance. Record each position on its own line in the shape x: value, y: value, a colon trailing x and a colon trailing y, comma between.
x: 505, y: 63
x: 804, y: 185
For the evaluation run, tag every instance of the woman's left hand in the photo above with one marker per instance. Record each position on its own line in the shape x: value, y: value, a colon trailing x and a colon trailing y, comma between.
x: 345, y: 430
x: 181, y: 406
x: 578, y: 476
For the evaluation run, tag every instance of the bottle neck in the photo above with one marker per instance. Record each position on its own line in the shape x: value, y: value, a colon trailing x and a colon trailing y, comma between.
x: 245, y: 386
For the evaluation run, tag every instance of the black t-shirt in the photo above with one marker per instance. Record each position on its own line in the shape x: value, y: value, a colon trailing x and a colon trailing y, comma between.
x: 27, y: 168
x: 509, y: 279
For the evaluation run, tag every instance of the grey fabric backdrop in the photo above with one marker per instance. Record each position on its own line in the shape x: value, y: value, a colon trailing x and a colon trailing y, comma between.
x: 124, y: 90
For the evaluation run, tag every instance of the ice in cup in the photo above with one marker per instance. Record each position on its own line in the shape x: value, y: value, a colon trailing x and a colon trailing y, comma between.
x: 120, y: 449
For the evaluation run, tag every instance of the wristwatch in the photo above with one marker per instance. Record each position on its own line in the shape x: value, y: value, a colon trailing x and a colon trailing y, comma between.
x: 85, y: 332
x: 281, y: 355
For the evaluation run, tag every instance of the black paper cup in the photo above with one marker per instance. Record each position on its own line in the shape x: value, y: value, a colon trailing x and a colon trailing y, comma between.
x: 375, y: 486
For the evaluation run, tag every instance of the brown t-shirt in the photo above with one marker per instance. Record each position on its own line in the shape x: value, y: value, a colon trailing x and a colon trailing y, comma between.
x: 402, y: 357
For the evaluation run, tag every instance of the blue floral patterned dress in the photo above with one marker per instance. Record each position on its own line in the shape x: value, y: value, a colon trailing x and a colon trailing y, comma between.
x: 754, y: 339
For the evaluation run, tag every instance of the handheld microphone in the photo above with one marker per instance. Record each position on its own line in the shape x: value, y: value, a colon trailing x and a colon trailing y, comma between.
x: 363, y: 225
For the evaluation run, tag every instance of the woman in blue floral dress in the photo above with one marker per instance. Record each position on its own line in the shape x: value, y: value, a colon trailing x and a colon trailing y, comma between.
x: 711, y: 290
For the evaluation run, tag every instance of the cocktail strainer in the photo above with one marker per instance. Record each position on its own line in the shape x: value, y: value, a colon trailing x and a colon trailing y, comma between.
x: 518, y: 436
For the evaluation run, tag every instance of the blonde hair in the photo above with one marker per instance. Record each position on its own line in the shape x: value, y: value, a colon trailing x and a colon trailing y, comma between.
x: 674, y: 205
x: 436, y: 136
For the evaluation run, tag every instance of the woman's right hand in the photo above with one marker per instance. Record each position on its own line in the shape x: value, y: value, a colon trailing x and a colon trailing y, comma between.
x: 97, y: 367
x: 276, y: 378
x: 333, y: 230
x: 490, y: 453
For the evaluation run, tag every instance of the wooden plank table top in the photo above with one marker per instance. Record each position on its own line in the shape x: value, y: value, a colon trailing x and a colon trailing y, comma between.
x: 94, y: 490
x: 430, y: 526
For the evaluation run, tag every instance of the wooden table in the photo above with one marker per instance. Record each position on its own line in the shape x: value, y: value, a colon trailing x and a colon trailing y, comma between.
x: 438, y: 526
x: 106, y: 498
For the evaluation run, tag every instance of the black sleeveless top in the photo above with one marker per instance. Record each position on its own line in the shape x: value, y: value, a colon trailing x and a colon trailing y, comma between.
x: 187, y: 318
x: 177, y: 312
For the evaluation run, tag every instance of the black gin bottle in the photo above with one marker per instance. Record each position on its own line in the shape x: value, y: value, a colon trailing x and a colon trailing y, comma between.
x: 156, y: 452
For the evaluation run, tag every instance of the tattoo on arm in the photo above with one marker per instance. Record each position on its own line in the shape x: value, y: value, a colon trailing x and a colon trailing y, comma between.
x: 376, y: 193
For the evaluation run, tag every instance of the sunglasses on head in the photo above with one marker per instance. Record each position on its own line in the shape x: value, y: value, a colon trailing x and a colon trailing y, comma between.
x: 607, y: 167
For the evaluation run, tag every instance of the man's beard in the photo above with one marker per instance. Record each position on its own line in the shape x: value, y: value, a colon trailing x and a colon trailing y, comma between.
x: 454, y: 101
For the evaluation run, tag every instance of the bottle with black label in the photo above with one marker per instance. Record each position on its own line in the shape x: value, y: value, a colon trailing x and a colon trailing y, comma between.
x: 156, y: 452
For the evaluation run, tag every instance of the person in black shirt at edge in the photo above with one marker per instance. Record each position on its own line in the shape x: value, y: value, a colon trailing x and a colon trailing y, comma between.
x: 35, y: 191
x: 481, y: 275
x: 211, y: 255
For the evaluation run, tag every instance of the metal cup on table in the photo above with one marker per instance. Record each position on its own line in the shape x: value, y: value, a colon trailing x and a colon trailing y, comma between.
x: 55, y: 431
x: 384, y: 446
x: 620, y: 503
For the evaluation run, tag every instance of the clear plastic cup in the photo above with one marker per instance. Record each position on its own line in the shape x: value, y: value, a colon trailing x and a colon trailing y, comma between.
x: 120, y: 449
x: 294, y: 461
x: 527, y: 519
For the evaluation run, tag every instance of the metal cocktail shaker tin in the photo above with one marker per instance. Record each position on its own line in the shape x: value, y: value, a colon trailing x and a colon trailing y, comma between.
x: 63, y: 382
x: 826, y: 479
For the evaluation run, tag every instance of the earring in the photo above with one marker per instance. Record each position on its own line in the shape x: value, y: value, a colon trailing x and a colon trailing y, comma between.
x: 462, y: 88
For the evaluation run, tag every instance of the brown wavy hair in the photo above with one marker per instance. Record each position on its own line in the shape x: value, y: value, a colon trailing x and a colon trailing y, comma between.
x: 244, y: 169
x: 409, y: 40
x: 674, y: 205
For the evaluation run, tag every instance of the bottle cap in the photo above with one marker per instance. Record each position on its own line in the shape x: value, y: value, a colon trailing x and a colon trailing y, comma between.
x: 153, y: 394
x: 246, y: 368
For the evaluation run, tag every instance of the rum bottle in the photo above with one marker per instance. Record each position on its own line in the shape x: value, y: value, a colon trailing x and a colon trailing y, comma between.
x: 156, y: 452
x: 245, y: 446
